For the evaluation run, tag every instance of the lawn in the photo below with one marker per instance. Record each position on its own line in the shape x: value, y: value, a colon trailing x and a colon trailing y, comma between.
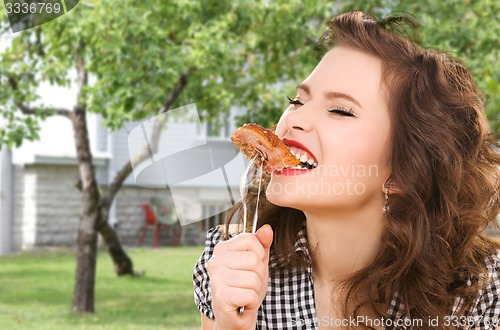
x: 36, y: 291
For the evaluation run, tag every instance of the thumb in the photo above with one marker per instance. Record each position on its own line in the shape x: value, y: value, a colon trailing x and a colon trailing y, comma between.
x: 265, y: 237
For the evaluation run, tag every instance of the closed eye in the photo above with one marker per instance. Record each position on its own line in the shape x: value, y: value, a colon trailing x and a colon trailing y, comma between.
x: 296, y: 101
x: 342, y: 111
x: 339, y: 110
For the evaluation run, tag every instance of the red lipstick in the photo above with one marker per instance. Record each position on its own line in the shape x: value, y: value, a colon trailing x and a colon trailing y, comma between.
x: 293, y: 143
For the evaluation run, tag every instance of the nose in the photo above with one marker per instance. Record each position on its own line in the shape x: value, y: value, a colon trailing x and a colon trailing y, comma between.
x: 299, y: 120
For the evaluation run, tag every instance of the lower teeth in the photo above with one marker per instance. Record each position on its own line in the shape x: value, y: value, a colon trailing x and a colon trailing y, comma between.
x: 303, y: 166
x: 306, y: 166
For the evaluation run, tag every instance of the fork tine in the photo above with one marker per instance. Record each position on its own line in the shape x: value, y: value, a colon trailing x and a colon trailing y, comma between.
x: 254, y: 224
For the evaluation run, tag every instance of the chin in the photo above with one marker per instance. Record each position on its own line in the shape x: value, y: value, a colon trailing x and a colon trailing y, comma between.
x: 278, y: 200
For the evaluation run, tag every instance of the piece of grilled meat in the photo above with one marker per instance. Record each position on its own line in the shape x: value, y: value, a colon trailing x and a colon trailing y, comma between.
x: 253, y: 139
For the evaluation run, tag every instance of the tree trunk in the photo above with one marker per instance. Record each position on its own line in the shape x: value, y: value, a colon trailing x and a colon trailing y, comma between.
x: 122, y: 262
x: 83, y: 295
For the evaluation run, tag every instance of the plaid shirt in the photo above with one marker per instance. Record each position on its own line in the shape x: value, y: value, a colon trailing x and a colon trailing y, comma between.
x: 289, y: 302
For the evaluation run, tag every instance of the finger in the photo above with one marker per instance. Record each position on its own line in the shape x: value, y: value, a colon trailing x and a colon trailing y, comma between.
x: 242, y: 242
x: 245, y: 280
x: 246, y: 260
x: 265, y: 237
x: 237, y: 297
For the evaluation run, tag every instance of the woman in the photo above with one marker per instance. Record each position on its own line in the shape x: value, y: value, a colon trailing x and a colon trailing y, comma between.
x: 387, y: 230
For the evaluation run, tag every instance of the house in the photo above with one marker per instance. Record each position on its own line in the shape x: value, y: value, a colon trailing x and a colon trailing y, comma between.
x: 40, y: 203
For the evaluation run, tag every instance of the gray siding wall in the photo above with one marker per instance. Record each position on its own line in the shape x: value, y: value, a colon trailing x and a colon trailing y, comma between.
x: 181, y: 137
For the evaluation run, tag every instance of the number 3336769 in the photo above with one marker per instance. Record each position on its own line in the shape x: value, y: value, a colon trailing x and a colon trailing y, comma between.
x: 32, y: 8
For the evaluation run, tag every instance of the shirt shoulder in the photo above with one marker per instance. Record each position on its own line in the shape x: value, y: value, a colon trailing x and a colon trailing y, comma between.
x: 492, y: 278
x: 486, y: 312
x: 201, y: 280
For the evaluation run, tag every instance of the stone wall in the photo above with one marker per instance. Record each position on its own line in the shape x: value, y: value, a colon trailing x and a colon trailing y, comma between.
x: 47, y: 206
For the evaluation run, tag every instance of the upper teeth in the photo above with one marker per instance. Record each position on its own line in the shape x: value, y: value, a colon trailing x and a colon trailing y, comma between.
x: 303, y: 158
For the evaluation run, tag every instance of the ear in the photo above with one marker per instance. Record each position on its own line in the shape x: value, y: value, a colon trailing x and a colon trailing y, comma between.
x: 392, y: 187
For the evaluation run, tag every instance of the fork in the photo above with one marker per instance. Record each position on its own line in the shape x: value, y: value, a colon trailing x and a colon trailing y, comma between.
x: 246, y: 181
x: 244, y: 185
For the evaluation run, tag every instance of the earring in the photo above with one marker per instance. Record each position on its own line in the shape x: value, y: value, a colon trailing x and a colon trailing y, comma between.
x: 386, y: 207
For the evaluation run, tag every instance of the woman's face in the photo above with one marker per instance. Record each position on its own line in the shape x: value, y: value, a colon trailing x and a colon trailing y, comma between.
x: 339, y: 115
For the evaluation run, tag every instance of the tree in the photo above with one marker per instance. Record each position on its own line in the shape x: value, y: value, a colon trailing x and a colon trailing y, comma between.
x: 143, y: 58
x: 466, y: 29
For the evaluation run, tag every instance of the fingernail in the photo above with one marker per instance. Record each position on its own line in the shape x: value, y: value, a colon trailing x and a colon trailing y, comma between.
x: 266, y: 225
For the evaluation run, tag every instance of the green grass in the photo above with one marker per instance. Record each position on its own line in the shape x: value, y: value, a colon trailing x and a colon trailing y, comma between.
x: 36, y: 291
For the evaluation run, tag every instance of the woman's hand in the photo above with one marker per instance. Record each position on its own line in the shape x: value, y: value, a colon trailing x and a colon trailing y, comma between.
x: 239, y: 273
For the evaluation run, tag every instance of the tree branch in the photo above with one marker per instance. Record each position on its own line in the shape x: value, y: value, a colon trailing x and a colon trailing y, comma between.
x: 27, y: 110
x: 178, y: 88
x: 125, y: 171
x: 120, y: 177
x: 38, y: 42
x: 83, y: 76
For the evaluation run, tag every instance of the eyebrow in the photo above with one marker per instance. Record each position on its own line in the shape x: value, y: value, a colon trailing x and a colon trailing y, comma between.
x: 331, y: 94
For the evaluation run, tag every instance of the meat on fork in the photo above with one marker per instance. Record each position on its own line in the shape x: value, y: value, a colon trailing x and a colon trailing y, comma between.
x: 253, y: 139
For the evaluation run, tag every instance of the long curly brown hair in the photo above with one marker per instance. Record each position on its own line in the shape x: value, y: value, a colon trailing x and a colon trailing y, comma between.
x: 445, y: 165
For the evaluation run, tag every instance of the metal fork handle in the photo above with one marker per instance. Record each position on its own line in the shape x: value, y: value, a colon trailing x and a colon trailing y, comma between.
x: 241, y: 309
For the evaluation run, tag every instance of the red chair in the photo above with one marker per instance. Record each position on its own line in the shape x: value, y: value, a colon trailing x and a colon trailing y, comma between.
x: 157, y: 221
x: 149, y: 220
